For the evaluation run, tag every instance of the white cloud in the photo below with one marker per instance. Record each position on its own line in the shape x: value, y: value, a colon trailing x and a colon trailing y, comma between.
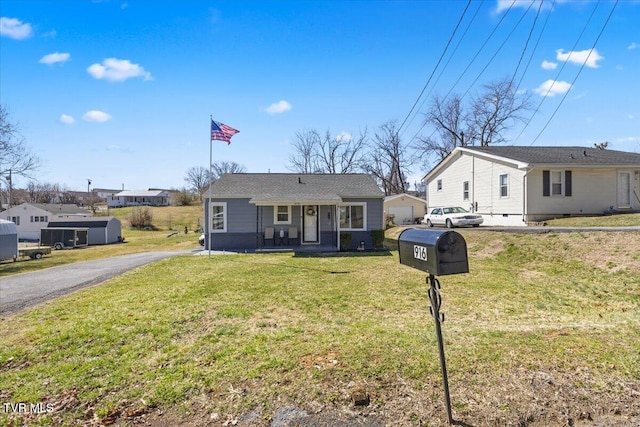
x: 552, y: 88
x: 589, y: 57
x: 67, y: 119
x: 548, y: 65
x: 633, y: 45
x: 502, y: 5
x: 96, y: 116
x: 14, y: 28
x: 278, y: 107
x: 118, y: 70
x: 54, y: 58
x: 344, y: 136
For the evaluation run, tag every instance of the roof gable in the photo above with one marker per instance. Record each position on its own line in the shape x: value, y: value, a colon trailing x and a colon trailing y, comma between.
x: 409, y: 196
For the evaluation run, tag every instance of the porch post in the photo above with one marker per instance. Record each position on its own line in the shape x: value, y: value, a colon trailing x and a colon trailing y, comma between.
x: 337, y: 220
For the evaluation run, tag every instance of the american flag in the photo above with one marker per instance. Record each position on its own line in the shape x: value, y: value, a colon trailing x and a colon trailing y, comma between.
x: 222, y: 132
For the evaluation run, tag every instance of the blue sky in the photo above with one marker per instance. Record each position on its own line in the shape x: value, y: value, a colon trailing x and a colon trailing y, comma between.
x: 121, y: 92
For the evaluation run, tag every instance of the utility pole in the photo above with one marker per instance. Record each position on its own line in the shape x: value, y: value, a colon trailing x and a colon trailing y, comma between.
x: 10, y: 185
x: 88, y: 192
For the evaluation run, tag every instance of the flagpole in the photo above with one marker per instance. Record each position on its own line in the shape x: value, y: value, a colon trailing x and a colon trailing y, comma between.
x: 210, y: 175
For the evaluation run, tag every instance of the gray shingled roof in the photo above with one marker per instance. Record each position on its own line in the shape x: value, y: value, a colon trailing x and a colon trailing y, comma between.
x: 295, y: 188
x: 563, y: 155
x: 61, y: 209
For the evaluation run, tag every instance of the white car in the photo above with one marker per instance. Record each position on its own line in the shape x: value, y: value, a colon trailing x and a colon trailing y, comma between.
x: 452, y: 216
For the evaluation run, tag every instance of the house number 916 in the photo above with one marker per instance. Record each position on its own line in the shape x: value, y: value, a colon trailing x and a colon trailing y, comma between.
x: 420, y: 252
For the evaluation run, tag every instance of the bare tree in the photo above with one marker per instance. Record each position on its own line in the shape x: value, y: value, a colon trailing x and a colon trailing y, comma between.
x: 15, y: 157
x: 304, y: 158
x: 485, y: 121
x: 197, y: 178
x: 314, y: 153
x: 388, y: 161
x: 220, y: 168
x: 43, y: 192
x: 496, y: 111
x: 340, y: 154
x: 447, y: 118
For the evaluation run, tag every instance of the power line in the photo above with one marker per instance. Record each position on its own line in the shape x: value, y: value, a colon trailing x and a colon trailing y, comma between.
x: 470, y: 63
x: 451, y: 56
x: 498, y: 50
x: 535, y: 48
x: 526, y: 45
x: 537, y: 110
x: 579, y: 72
x: 436, y: 67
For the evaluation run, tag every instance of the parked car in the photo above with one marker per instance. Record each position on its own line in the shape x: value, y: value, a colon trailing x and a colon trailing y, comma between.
x: 201, y: 239
x: 452, y: 216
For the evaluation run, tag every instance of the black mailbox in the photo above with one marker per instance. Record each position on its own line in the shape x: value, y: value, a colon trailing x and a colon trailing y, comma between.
x: 434, y: 251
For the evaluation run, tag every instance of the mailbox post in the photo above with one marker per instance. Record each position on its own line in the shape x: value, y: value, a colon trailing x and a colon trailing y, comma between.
x: 438, y: 253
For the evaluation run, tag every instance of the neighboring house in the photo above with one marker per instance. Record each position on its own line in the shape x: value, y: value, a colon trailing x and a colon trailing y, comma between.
x: 139, y: 198
x: 512, y: 185
x: 257, y: 211
x: 30, y: 218
x: 108, y: 195
x: 103, y: 230
x: 404, y: 209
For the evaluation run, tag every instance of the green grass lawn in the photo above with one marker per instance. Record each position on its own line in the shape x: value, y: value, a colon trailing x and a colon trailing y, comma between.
x: 543, y: 327
x: 622, y: 220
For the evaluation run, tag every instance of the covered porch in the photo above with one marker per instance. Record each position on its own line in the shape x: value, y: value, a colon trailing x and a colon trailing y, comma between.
x: 311, y: 226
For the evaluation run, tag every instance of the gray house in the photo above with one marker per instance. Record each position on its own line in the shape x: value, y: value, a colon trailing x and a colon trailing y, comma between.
x: 276, y: 211
x: 102, y: 229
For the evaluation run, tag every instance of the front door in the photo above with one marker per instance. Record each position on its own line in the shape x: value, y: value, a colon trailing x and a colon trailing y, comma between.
x: 310, y: 224
x: 624, y: 189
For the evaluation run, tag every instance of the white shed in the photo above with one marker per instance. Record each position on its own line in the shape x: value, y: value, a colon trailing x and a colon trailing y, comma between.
x: 8, y: 240
x: 405, y: 208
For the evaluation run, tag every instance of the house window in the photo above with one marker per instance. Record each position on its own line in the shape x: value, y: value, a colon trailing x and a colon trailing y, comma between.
x: 282, y: 215
x: 353, y: 217
x: 218, y: 215
x: 15, y: 220
x: 465, y: 190
x: 556, y: 183
x: 504, y: 185
x: 439, y: 185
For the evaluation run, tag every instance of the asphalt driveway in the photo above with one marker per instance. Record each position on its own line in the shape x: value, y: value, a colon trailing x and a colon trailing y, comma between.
x: 28, y: 289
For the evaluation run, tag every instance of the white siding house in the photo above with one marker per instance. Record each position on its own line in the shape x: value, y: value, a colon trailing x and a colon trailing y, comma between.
x: 139, y: 198
x: 31, y: 218
x: 517, y: 185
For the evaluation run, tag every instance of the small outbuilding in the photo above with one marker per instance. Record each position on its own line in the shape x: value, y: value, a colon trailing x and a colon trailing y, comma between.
x: 403, y: 209
x: 8, y: 240
x: 103, y: 230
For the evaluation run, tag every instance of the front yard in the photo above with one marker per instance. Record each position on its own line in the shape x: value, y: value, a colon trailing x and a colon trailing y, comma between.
x: 544, y: 330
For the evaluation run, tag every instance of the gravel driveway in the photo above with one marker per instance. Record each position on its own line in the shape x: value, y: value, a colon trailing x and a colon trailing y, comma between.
x: 28, y: 289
